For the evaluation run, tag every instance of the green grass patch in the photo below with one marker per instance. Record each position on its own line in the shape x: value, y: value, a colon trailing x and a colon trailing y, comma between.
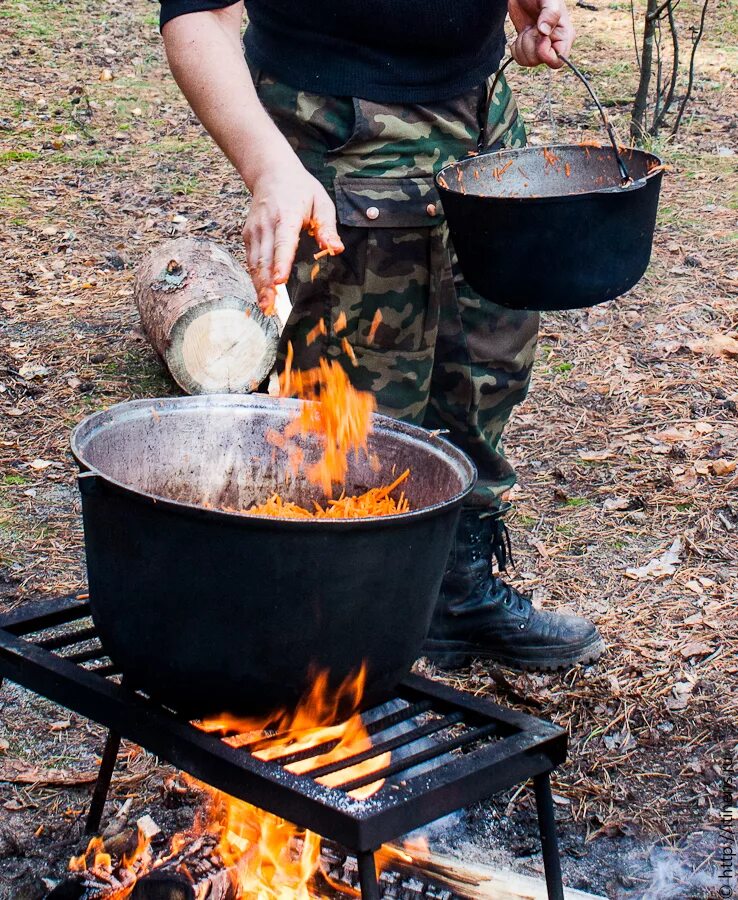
x: 526, y: 521
x: 566, y: 530
x: 183, y: 185
x: 576, y: 502
x: 145, y: 376
x: 14, y: 479
x: 563, y: 367
x: 10, y: 202
x: 39, y: 27
x: 87, y: 158
x: 18, y: 155
x: 177, y: 145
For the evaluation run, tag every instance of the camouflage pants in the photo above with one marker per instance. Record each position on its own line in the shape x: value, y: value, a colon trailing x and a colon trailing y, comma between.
x: 443, y: 356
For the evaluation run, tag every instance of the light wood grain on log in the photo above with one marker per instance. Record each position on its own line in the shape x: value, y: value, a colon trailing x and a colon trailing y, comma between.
x: 200, y: 312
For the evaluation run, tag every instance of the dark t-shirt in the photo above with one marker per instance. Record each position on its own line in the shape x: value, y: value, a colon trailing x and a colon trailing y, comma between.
x: 411, y: 51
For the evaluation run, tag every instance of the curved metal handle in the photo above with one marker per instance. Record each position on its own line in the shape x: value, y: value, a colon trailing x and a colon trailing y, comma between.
x: 624, y: 174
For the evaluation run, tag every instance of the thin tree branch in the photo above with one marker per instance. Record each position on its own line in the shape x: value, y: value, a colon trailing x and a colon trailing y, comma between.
x: 657, y: 13
x: 669, y: 98
x: 635, y: 36
x: 659, y: 76
x: 695, y: 43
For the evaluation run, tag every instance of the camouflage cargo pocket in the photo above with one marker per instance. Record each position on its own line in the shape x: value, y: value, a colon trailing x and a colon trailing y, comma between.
x: 393, y: 224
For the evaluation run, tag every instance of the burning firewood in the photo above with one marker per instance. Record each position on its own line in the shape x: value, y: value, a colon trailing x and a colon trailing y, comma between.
x: 200, y: 875
x: 200, y: 312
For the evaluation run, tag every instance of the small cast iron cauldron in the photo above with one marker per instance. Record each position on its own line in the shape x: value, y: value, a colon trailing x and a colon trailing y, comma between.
x: 558, y: 227
x: 211, y: 611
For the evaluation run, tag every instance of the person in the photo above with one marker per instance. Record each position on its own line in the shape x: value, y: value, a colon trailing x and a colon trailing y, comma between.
x: 337, y: 115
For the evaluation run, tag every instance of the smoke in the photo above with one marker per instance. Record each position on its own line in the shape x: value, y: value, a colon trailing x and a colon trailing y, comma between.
x: 449, y: 826
x: 677, y: 875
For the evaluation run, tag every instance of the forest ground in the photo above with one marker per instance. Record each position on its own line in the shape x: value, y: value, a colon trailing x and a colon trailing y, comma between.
x: 626, y: 447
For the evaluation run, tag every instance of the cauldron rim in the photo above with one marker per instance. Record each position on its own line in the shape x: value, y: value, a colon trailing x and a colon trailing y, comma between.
x: 85, y: 429
x: 613, y: 189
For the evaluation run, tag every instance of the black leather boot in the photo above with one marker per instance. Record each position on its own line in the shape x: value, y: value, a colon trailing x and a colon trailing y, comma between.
x: 479, y: 616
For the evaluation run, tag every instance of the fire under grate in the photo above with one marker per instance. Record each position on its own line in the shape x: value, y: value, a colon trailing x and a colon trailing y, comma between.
x: 449, y: 749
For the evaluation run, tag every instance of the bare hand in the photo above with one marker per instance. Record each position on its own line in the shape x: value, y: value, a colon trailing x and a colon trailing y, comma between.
x: 544, y: 29
x: 285, y: 200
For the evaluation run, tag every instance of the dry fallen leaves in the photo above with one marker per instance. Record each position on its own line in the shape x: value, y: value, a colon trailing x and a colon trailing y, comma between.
x: 19, y: 771
x: 723, y: 466
x: 29, y: 371
x: 616, y: 504
x: 695, y: 648
x: 595, y: 455
x: 715, y: 345
x: 715, y: 466
x: 660, y: 567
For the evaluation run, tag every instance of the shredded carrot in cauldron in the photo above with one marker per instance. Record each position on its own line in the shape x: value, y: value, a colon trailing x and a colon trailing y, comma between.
x: 374, y: 502
x: 340, y: 417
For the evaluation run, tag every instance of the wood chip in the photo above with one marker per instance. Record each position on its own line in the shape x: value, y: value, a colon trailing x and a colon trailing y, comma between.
x: 148, y: 827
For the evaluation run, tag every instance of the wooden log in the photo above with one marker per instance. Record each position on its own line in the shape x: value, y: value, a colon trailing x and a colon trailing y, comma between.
x: 199, y: 310
x: 474, y: 881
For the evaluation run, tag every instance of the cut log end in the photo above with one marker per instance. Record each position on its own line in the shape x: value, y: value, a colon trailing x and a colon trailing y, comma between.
x: 221, y: 349
x: 200, y: 311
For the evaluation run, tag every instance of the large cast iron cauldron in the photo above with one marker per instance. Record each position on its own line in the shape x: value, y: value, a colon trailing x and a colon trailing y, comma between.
x: 209, y: 610
x: 557, y: 227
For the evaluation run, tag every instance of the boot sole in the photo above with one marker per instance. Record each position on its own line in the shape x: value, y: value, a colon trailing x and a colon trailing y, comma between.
x: 458, y: 654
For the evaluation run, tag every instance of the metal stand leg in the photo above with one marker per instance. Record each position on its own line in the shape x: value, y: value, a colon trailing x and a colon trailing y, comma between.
x: 549, y: 842
x: 100, y: 792
x: 368, y: 876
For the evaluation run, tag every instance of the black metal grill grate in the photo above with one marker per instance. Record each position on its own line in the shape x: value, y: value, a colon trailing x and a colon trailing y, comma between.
x: 448, y: 749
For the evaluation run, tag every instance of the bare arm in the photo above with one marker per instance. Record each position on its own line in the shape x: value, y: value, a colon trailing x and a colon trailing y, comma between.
x: 206, y: 58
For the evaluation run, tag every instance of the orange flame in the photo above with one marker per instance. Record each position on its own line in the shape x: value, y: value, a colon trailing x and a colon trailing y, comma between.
x: 261, y: 846
x: 313, y: 724
x: 98, y: 862
x: 337, y: 413
x: 267, y: 856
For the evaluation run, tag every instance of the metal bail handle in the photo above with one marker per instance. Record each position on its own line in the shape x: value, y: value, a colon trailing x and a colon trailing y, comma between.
x: 624, y: 174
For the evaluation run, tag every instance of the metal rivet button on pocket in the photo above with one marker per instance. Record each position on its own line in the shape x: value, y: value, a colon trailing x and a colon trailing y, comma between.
x: 372, y: 213
x: 431, y: 209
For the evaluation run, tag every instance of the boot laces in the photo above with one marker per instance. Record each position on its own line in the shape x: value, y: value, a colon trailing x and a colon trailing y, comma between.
x: 501, y: 551
x: 501, y: 545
